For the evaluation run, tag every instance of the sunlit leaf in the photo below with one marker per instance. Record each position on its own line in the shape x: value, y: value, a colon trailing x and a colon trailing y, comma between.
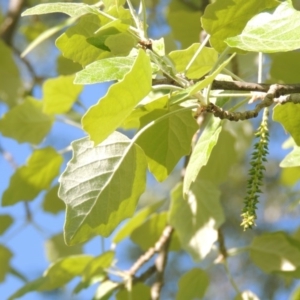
x: 197, y: 218
x: 288, y: 116
x: 59, y: 94
x: 148, y: 233
x: 105, y: 290
x: 246, y: 295
x: 10, y: 83
x: 110, y: 112
x: 107, y: 69
x: 275, y: 252
x: 101, y: 186
x: 5, y: 257
x: 270, y: 32
x: 71, y: 9
x: 290, y: 176
x: 201, y: 152
x: 26, y: 122
x: 192, y: 285
x: 52, y: 203
x: 5, y: 223
x: 226, y: 18
x: 56, y: 248
x: 292, y: 159
x: 167, y: 141
x: 202, y: 64
x: 136, y: 221
x: 29, y: 180
x: 56, y: 276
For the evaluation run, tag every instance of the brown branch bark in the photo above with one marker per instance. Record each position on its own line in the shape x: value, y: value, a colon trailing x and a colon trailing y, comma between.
x: 8, y: 27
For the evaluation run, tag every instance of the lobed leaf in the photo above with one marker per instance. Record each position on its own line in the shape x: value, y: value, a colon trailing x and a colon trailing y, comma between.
x: 192, y: 285
x: 197, y: 219
x: 109, y: 113
x: 101, y: 186
x: 29, y: 180
x: 167, y: 141
x: 288, y: 116
x: 202, y: 152
x: 59, y: 94
x: 227, y: 18
x: 26, y: 122
x: 270, y: 32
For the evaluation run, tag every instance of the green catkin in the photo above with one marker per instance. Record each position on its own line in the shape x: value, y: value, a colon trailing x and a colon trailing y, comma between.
x: 256, y: 173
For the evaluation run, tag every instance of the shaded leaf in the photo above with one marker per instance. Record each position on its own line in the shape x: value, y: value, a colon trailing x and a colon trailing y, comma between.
x: 66, y: 66
x: 52, y: 203
x: 202, y: 64
x: 290, y: 176
x: 10, y: 83
x: 219, y: 17
x: 26, y: 122
x: 5, y: 222
x: 167, y: 141
x: 148, y: 233
x: 264, y: 32
x: 56, y: 248
x: 288, y: 116
x: 59, y: 94
x: 201, y: 152
x: 115, y: 175
x: 5, y: 257
x: 138, y: 291
x: 109, y: 113
x: 56, y: 276
x: 136, y: 221
x: 275, y: 252
x: 197, y: 219
x: 192, y: 285
x: 29, y: 180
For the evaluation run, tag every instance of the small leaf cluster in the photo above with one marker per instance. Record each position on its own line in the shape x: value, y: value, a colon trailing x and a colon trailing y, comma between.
x: 256, y: 173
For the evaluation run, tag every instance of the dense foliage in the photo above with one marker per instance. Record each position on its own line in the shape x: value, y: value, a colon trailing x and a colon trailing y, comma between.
x: 166, y: 111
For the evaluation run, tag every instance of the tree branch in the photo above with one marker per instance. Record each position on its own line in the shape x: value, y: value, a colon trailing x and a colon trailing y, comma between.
x: 8, y: 27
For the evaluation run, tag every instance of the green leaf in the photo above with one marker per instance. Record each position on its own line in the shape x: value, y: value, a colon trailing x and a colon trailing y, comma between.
x: 29, y: 180
x: 202, y: 64
x: 138, y: 291
x: 197, y: 219
x: 288, y: 116
x: 52, y: 203
x: 26, y: 122
x: 292, y: 159
x: 119, y: 101
x: 246, y: 295
x: 275, y: 252
x: 217, y: 168
x: 120, y: 44
x: 290, y: 176
x: 73, y: 43
x: 116, y: 178
x: 107, y: 69
x: 5, y: 257
x: 56, y: 276
x: 95, y: 270
x: 201, y: 152
x: 5, y: 222
x: 136, y: 221
x: 192, y: 285
x: 219, y: 17
x: 167, y: 141
x: 147, y: 234
x: 71, y: 9
x: 187, y: 30
x: 56, y: 248
x: 66, y: 66
x: 264, y: 32
x: 106, y: 288
x: 10, y: 83
x: 60, y: 94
